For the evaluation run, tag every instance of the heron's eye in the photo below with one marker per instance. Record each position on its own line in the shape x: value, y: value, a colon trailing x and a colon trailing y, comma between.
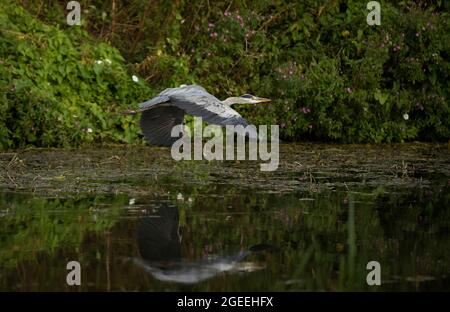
x: 247, y: 96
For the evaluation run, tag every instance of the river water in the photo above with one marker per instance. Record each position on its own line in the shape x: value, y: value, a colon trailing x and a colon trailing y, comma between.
x: 136, y: 220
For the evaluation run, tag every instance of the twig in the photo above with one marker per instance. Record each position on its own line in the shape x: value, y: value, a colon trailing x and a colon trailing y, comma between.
x: 11, y: 179
x: 113, y: 18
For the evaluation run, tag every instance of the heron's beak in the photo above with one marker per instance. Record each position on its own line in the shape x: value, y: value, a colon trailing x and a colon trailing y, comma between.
x: 261, y: 100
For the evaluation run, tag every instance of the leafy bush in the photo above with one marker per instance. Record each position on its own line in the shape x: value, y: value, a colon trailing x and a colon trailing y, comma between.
x: 60, y: 88
x: 332, y: 76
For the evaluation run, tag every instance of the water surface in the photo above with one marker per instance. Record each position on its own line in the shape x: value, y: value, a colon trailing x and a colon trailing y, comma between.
x: 138, y: 221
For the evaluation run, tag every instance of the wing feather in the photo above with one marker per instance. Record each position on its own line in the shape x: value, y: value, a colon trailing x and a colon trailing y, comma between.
x: 154, y: 101
x: 196, y: 101
x: 161, y: 113
x: 157, y: 124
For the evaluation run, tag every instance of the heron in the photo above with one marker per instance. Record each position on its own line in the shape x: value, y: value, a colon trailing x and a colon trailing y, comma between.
x: 166, y: 110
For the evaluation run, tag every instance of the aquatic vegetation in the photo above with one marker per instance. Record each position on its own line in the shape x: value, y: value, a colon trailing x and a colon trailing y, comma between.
x: 313, y: 224
x: 32, y: 225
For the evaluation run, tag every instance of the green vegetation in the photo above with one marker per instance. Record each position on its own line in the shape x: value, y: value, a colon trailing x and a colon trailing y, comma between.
x: 331, y: 75
x: 59, y: 87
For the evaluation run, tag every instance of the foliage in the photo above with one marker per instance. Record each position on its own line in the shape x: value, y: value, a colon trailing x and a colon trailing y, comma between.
x: 332, y: 76
x: 60, y: 88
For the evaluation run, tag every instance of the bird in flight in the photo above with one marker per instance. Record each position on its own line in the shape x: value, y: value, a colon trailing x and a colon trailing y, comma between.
x: 166, y: 110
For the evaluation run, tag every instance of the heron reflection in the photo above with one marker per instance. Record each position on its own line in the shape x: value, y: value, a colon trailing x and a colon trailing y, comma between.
x: 159, y: 244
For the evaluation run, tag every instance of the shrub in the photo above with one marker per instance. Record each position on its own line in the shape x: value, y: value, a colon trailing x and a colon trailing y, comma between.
x: 332, y: 76
x: 61, y: 88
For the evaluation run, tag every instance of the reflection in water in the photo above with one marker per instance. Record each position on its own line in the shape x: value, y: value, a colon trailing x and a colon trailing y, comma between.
x: 158, y: 237
x: 160, y: 248
x: 317, y: 240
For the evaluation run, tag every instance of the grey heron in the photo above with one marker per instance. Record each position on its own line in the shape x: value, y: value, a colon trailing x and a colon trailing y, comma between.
x: 166, y: 110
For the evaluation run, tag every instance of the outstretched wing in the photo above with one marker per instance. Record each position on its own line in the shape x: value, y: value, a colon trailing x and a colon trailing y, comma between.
x: 161, y: 113
x: 196, y: 101
x: 159, y: 100
x: 157, y: 124
x: 154, y: 101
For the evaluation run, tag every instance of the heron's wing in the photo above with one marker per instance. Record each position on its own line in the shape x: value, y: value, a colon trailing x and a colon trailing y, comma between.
x: 157, y: 100
x: 163, y: 98
x: 157, y: 124
x: 152, y: 102
x: 157, y: 235
x: 196, y: 101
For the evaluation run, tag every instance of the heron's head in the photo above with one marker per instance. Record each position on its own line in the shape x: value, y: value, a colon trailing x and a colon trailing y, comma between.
x: 245, y: 99
x: 251, y: 99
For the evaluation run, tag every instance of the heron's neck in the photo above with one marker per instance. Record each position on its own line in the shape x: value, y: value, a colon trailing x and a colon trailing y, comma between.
x: 232, y: 100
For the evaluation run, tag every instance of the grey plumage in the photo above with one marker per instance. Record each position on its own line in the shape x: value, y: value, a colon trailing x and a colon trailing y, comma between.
x: 157, y: 124
x: 167, y: 109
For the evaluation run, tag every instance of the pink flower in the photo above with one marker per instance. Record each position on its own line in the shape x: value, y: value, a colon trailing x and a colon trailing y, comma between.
x: 310, y: 126
x: 210, y: 25
x: 349, y: 90
x: 305, y: 110
x: 240, y: 20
